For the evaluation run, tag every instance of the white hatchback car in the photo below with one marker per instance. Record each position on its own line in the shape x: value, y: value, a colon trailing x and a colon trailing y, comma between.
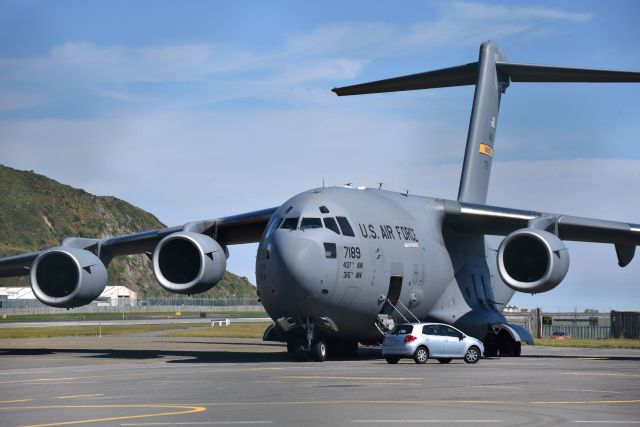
x: 421, y: 341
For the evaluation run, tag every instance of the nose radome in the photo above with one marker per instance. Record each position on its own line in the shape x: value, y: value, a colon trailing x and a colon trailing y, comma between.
x: 300, y: 270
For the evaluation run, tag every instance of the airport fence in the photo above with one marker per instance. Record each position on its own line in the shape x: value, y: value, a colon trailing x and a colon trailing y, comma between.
x: 148, y: 305
x: 578, y: 332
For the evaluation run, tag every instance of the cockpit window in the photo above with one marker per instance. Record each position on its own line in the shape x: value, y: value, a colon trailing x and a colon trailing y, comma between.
x: 331, y: 224
x: 308, y: 223
x: 273, y: 224
x: 345, y: 226
x: 324, y: 210
x: 289, y: 223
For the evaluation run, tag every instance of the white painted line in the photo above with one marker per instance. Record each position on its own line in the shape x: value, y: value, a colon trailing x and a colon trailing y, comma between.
x: 606, y: 422
x: 494, y: 386
x: 199, y: 423
x: 424, y: 421
x: 588, y: 391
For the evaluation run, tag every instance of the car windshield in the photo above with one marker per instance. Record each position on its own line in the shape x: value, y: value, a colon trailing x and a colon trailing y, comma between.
x: 402, y: 330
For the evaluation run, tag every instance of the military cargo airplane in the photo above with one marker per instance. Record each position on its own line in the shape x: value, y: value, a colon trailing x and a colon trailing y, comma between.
x: 337, y: 266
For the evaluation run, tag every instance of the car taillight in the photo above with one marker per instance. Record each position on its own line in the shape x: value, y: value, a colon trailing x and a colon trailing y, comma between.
x: 410, y: 338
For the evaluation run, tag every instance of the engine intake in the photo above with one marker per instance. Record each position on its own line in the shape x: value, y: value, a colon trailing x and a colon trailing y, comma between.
x: 67, y: 277
x: 532, y: 261
x: 188, y: 263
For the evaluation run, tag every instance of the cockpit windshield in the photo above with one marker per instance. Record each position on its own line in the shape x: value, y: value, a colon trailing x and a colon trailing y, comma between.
x: 290, y: 223
x: 308, y: 223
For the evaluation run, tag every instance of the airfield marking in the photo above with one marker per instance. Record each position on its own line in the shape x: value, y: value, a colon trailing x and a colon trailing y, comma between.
x: 424, y: 421
x: 25, y: 372
x: 186, y: 410
x: 318, y: 377
x: 587, y: 390
x: 607, y: 422
x: 142, y: 374
x: 600, y: 374
x: 199, y: 423
x: 585, y: 402
x: 80, y: 395
x: 16, y: 401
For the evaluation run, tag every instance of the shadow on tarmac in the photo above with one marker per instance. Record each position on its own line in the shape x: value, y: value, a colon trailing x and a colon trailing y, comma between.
x: 173, y: 356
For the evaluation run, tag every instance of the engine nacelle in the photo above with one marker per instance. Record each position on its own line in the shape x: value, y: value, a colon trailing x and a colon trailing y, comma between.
x: 67, y: 277
x: 188, y: 263
x: 532, y: 261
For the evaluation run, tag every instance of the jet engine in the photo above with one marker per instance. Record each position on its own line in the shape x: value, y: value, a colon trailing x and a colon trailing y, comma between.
x: 67, y: 277
x: 188, y: 263
x: 532, y: 261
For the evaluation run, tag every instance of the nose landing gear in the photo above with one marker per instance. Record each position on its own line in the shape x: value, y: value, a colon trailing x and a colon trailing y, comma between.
x: 309, y: 346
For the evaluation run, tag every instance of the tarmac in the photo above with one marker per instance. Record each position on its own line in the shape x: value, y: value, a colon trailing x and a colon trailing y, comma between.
x: 151, y: 380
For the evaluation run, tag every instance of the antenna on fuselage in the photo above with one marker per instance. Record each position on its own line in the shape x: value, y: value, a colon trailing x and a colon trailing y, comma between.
x: 491, y: 75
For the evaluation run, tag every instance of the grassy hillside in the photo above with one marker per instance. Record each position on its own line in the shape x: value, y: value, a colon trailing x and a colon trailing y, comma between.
x: 37, y: 212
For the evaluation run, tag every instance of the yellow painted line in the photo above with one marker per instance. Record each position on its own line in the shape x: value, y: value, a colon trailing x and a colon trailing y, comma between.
x: 37, y: 380
x: 16, y: 401
x: 142, y: 374
x: 186, y: 409
x: 79, y: 395
x: 586, y: 402
x: 319, y: 377
x: 415, y: 402
x: 600, y: 374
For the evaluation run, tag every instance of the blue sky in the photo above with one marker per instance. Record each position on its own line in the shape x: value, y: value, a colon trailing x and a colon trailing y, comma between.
x: 200, y: 109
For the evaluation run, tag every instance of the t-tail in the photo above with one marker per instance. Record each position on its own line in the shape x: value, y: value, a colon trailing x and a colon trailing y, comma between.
x: 491, y: 75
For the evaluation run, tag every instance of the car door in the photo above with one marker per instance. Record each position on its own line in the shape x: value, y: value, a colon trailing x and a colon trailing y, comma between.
x: 454, y: 346
x: 435, y: 341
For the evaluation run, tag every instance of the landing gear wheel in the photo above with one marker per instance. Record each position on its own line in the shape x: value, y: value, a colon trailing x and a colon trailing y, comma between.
x: 319, y: 351
x: 392, y: 360
x: 444, y: 361
x: 296, y: 348
x: 421, y: 355
x: 517, y: 349
x: 472, y: 355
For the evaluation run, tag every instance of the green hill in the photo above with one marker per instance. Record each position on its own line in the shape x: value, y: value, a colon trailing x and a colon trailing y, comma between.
x: 37, y: 212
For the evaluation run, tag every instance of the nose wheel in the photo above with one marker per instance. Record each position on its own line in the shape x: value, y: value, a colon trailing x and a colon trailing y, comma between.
x: 298, y: 349
x: 309, y: 347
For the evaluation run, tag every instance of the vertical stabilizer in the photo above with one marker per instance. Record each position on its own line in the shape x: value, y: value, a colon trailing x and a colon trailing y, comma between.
x: 492, y: 74
x: 490, y: 84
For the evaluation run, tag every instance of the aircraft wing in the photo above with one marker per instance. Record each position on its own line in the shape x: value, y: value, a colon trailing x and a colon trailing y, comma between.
x: 483, y: 219
x: 236, y: 229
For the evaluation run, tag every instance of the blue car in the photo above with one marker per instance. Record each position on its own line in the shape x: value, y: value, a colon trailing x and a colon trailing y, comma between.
x: 421, y: 341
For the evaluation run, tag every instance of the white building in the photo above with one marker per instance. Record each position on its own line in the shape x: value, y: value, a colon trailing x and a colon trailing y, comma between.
x: 112, y: 295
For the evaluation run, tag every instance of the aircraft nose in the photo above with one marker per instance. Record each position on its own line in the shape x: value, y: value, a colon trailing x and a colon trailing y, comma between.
x: 298, y: 272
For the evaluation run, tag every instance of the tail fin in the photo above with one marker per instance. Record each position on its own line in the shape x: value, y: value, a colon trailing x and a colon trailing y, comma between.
x: 492, y: 74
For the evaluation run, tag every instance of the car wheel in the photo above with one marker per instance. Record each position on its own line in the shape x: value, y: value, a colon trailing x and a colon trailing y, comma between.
x: 392, y: 360
x: 444, y: 361
x: 319, y: 351
x: 421, y: 355
x: 472, y: 355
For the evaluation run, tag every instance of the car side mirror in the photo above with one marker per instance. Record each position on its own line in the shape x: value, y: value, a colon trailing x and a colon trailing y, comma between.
x: 461, y: 337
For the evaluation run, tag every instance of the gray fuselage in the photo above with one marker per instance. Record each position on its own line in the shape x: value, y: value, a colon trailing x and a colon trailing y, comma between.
x: 397, y: 253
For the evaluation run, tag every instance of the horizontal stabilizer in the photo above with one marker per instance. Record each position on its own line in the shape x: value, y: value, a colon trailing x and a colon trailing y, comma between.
x: 464, y: 75
x: 461, y: 75
x: 548, y: 73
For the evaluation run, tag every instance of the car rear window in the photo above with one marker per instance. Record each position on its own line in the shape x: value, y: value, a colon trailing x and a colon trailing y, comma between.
x: 402, y: 330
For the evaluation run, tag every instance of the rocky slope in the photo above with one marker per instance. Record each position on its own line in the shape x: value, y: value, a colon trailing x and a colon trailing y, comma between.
x: 37, y: 212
